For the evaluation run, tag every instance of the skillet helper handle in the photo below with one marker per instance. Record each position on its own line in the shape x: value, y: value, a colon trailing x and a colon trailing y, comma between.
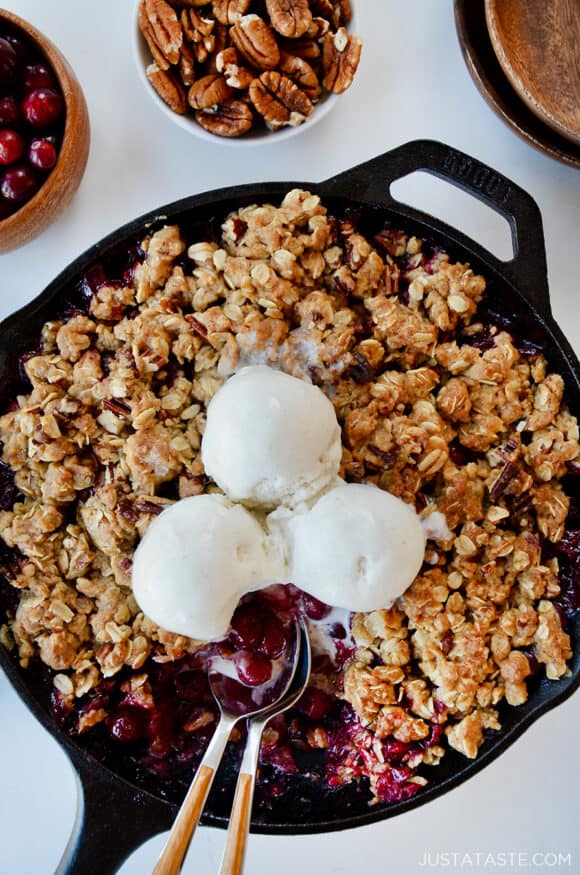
x: 371, y: 182
x: 113, y: 819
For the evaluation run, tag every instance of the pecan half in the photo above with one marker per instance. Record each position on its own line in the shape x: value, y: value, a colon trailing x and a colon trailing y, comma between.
x: 187, y: 65
x: 199, y: 31
x: 319, y: 27
x: 226, y: 57
x: 230, y: 11
x: 228, y: 63
x: 162, y: 28
x: 279, y: 100
x: 148, y: 33
x: 231, y: 119
x: 256, y: 42
x: 345, y: 11
x: 291, y: 18
x: 209, y: 91
x: 340, y: 59
x: 168, y: 87
x: 301, y: 74
x: 305, y: 48
x: 322, y: 7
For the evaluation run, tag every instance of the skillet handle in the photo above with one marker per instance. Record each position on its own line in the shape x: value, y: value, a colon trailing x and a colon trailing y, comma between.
x: 113, y: 819
x: 371, y: 182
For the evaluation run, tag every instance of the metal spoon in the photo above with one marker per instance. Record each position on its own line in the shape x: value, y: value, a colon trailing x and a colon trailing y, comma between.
x: 240, y: 817
x: 235, y: 702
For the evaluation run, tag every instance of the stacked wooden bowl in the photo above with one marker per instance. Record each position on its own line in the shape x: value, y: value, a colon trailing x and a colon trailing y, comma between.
x: 524, y: 57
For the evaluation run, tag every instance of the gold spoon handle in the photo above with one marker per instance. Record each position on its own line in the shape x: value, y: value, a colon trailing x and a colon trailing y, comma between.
x: 241, y: 815
x: 177, y: 844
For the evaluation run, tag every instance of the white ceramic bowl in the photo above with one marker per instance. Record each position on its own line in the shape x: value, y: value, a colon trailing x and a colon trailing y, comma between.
x: 254, y: 137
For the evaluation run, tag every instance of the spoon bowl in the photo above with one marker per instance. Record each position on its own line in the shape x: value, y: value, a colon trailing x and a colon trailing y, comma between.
x: 236, y: 702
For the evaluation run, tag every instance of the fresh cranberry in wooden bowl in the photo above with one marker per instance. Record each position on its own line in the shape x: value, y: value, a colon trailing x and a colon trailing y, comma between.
x: 44, y: 132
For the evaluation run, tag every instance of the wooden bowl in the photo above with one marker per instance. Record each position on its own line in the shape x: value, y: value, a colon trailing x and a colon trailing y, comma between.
x: 497, y: 91
x: 537, y: 45
x: 61, y: 184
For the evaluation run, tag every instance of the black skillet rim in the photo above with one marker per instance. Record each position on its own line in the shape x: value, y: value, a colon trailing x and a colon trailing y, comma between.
x: 546, y: 696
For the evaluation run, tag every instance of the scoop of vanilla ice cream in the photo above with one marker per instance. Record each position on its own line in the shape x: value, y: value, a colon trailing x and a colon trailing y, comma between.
x: 358, y: 547
x: 270, y: 438
x: 196, y: 560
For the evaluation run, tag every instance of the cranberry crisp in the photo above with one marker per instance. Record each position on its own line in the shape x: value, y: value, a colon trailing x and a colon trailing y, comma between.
x: 438, y: 403
x: 31, y: 121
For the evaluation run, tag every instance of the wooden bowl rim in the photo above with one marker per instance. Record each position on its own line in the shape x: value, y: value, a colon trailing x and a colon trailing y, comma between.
x: 523, y: 85
x: 72, y: 94
x: 540, y: 137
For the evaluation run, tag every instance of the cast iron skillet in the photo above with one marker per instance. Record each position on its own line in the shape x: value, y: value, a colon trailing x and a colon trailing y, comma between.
x: 114, y: 815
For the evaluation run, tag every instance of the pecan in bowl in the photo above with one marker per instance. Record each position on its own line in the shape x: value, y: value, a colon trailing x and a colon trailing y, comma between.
x: 243, y: 69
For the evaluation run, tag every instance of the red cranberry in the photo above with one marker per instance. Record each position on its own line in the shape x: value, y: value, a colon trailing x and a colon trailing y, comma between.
x: 9, y: 112
x: 337, y: 631
x: 19, y: 183
x: 38, y: 76
x: 247, y: 627
x: 42, y: 107
x: 160, y: 730
x: 274, y: 640
x: 253, y: 668
x: 6, y: 209
x: 283, y: 760
x: 61, y: 706
x: 8, y: 63
x: 434, y: 737
x: 391, y: 789
x: 191, y: 685
x: 11, y: 146
x: 394, y: 750
x: 126, y: 726
x: 21, y: 50
x: 42, y: 154
x: 314, y: 608
x: 315, y: 703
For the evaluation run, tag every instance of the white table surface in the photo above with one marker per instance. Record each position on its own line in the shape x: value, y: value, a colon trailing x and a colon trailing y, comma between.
x: 412, y: 83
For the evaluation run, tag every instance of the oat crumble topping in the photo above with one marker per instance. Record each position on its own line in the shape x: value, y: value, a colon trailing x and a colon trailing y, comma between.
x: 435, y: 407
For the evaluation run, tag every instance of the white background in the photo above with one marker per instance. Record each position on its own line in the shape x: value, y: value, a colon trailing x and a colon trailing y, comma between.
x: 412, y: 83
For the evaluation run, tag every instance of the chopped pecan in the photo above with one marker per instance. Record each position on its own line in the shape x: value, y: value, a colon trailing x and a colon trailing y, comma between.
x: 230, y: 119
x: 301, y: 74
x: 279, y: 100
x: 291, y: 18
x: 230, y: 11
x: 340, y: 60
x: 209, y: 91
x: 255, y: 40
x: 160, y: 26
x: 168, y: 87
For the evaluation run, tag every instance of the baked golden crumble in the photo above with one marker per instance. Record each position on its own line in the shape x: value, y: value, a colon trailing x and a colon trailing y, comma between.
x: 436, y: 407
